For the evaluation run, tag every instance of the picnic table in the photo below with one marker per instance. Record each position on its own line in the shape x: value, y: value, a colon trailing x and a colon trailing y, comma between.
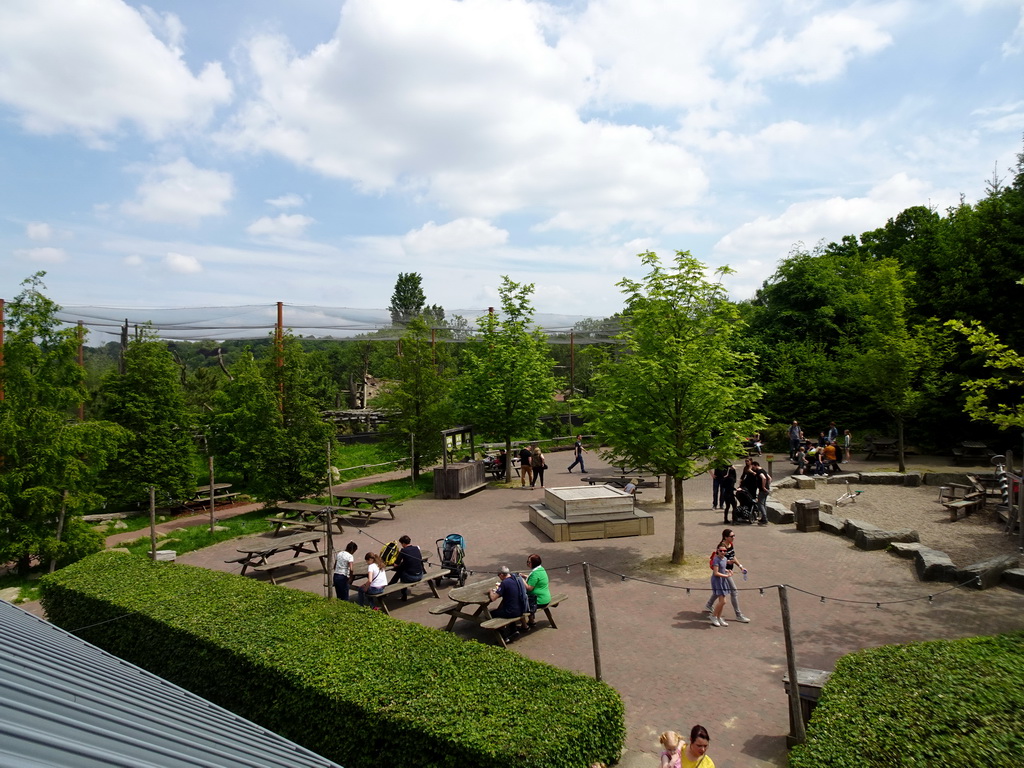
x: 256, y: 554
x: 300, y: 514
x: 880, y: 445
x: 431, y: 576
x: 201, y: 497
x: 471, y: 603
x: 972, y: 452
x: 365, y: 505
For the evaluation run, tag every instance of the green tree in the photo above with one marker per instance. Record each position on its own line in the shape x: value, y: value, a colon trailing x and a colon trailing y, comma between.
x: 148, y: 400
x: 418, y: 404
x: 408, y: 299
x: 506, y: 375
x: 996, y: 399
x: 48, y: 459
x: 676, y: 396
x: 267, y: 427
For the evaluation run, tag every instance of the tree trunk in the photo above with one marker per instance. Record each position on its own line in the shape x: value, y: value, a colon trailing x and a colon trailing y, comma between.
x: 508, y: 459
x: 669, y: 480
x: 899, y: 445
x: 679, y: 543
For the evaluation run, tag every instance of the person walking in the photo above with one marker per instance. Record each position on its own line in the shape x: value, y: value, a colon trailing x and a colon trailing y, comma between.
x: 720, y: 576
x: 696, y: 752
x: 728, y: 539
x: 763, y: 488
x: 727, y: 493
x: 796, y: 435
x: 525, y: 468
x: 579, y: 450
x: 538, y: 465
x: 717, y: 477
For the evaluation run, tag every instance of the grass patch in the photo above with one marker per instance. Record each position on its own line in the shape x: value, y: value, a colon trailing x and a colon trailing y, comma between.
x: 28, y: 585
x: 398, y: 490
x: 361, y: 456
x: 199, y: 536
x: 693, y: 568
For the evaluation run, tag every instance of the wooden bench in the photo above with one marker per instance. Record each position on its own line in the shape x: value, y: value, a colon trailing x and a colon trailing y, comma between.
x: 443, y: 610
x: 204, y: 501
x: 367, y: 512
x: 966, y: 505
x: 553, y: 603
x: 430, y: 578
x: 288, y: 523
x: 499, y: 623
x: 269, y: 568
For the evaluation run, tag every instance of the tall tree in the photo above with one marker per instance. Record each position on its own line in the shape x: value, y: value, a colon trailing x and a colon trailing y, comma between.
x: 408, y: 299
x: 506, y: 379
x: 48, y: 460
x: 268, y: 428
x: 996, y: 398
x: 418, y: 403
x: 677, y: 394
x: 148, y: 400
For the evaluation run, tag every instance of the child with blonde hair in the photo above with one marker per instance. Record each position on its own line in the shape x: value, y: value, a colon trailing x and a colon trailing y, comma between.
x: 673, y: 744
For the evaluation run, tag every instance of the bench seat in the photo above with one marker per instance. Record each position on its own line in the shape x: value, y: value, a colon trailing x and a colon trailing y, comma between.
x: 443, y: 610
x: 269, y: 568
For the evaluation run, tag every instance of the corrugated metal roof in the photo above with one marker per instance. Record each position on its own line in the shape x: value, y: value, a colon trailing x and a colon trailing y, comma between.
x: 66, y: 703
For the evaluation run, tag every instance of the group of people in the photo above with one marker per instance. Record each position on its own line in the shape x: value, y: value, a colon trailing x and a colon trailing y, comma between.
x: 821, y: 457
x: 520, y: 593
x: 754, y: 479
x: 408, y: 569
x: 532, y: 464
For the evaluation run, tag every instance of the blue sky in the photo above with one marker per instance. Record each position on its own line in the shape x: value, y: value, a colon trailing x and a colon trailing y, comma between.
x: 217, y: 153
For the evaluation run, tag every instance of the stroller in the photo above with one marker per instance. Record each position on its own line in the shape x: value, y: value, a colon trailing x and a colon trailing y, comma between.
x: 451, y: 549
x: 746, y: 509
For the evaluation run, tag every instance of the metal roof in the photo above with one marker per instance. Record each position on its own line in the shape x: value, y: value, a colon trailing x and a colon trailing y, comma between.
x: 67, y: 703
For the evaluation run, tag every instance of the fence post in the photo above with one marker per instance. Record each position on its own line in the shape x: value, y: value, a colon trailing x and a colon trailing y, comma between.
x: 799, y: 735
x: 593, y: 621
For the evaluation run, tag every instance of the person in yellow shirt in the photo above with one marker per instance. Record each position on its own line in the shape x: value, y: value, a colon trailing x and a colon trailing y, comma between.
x: 696, y: 752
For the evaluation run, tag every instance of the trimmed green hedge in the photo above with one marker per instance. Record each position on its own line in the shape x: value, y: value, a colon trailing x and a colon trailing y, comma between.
x: 940, y: 703
x: 351, y: 684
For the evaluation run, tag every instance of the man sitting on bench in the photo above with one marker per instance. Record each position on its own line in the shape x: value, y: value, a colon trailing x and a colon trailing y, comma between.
x: 408, y: 565
x: 512, y: 592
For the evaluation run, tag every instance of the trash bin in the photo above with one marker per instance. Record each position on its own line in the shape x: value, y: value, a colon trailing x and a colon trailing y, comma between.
x: 807, y: 515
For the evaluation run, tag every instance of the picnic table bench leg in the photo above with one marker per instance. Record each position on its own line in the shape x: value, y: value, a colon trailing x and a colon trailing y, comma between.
x: 433, y: 588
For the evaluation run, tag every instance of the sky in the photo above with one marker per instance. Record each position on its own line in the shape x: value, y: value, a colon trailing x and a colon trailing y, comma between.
x: 223, y: 153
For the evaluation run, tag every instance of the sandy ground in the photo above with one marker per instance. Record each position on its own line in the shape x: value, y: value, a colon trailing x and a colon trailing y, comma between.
x: 969, y: 540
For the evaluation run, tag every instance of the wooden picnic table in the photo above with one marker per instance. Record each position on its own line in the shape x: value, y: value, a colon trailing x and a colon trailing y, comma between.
x: 202, y: 495
x: 301, y: 514
x: 881, y: 445
x: 256, y: 553
x: 364, y: 505
x: 972, y: 451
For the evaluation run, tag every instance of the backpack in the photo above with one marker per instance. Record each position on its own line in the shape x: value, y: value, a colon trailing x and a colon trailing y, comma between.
x: 390, y: 552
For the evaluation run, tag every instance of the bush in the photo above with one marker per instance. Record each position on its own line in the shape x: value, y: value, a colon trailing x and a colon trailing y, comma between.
x: 940, y: 703
x: 354, y: 685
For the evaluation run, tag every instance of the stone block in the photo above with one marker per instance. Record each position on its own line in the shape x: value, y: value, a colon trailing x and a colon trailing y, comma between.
x: 854, y: 526
x: 912, y: 480
x: 831, y: 524
x: 784, y: 483
x: 1014, y: 578
x: 881, y: 478
x: 778, y: 514
x: 874, y: 540
x: 946, y: 478
x: 932, y: 565
x: 805, y: 483
x: 806, y: 511
x: 989, y: 572
x: 846, y: 477
x: 827, y: 507
x: 906, y: 549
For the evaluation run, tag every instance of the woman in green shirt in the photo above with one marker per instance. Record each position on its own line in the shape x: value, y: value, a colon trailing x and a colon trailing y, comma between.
x: 537, y: 591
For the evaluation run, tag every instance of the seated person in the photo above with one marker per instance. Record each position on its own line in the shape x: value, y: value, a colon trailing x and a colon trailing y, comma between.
x: 829, y: 457
x: 408, y: 565
x: 630, y: 488
x: 514, y: 603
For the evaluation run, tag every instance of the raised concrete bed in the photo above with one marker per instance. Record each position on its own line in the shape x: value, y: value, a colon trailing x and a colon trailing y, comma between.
x: 638, y: 523
x: 578, y: 513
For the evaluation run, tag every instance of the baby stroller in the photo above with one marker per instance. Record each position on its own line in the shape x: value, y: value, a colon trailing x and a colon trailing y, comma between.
x: 746, y: 509
x: 451, y: 549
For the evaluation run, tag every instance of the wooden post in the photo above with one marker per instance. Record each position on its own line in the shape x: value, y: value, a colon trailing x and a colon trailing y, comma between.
x: 593, y: 621
x: 60, y: 525
x: 412, y: 457
x: 213, y: 504
x: 152, y: 522
x: 799, y: 735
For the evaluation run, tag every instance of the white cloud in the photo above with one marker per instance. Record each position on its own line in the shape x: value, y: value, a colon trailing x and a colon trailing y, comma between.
x: 290, y: 200
x: 179, y: 192
x: 185, y: 265
x: 459, y: 235
x: 133, y: 260
x: 465, y: 105
x: 38, y: 230
x: 1014, y: 44
x: 88, y: 67
x: 44, y: 255
x: 830, y: 219
x: 285, y: 225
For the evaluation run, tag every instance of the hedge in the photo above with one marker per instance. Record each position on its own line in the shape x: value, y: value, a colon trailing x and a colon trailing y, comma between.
x: 938, y: 703
x: 351, y: 684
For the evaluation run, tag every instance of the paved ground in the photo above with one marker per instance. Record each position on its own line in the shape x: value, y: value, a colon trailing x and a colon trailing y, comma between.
x: 671, y: 667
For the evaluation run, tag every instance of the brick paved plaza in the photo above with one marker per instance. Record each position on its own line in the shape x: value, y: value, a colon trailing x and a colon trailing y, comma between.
x: 672, y: 668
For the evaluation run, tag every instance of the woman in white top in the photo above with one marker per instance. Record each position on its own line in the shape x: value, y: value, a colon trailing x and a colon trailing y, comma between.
x: 343, y: 560
x: 376, y: 579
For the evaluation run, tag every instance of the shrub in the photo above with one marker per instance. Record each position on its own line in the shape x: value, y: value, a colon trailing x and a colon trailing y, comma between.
x: 939, y: 703
x: 354, y: 685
